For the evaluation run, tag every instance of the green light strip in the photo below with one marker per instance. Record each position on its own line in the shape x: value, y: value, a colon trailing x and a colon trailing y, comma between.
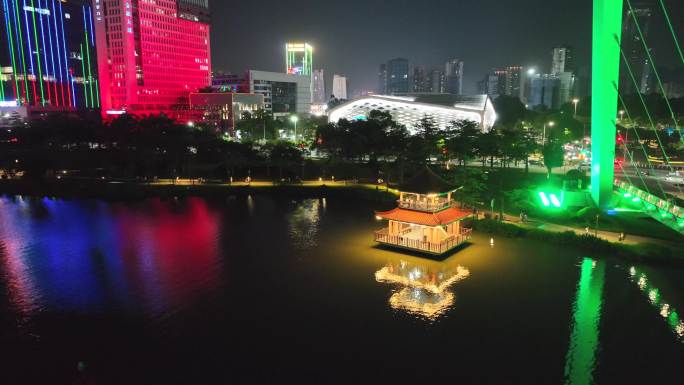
x: 21, y: 50
x: 544, y: 199
x: 90, y: 73
x: 648, y: 113
x: 40, y: 69
x: 11, y: 47
x: 97, y: 93
x: 653, y: 66
x: 85, y: 88
x: 672, y: 31
x: 580, y: 361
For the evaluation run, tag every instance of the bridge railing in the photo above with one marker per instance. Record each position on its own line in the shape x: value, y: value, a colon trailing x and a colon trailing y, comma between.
x: 654, y: 202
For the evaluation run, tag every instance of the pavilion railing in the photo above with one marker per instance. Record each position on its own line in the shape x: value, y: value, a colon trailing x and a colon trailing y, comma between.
x: 453, y: 241
x: 425, y: 206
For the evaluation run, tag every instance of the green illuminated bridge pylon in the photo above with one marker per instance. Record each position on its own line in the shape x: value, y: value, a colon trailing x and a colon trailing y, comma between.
x: 607, y: 32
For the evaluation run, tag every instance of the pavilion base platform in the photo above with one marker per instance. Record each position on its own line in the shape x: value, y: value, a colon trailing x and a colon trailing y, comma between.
x: 412, y: 241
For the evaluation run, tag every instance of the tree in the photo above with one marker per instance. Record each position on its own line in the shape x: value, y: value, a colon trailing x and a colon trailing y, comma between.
x: 283, y: 155
x: 489, y: 146
x: 462, y: 139
x: 428, y: 132
x: 554, y: 155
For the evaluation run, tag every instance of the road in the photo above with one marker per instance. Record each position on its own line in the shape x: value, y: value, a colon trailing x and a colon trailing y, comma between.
x: 653, y: 182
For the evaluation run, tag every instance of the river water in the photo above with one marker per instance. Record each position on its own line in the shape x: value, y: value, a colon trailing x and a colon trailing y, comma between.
x: 260, y: 290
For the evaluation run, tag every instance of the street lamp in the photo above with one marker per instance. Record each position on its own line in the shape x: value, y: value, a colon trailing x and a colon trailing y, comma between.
x: 294, y: 119
x: 622, y: 115
x: 575, y: 101
x: 550, y: 124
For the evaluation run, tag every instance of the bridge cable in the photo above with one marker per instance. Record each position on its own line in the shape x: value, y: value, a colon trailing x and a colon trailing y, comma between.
x: 648, y: 113
x: 653, y: 66
x: 641, y: 144
x: 672, y: 31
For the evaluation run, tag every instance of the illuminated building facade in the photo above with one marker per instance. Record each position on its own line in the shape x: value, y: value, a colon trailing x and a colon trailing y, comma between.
x: 397, y: 76
x: 637, y: 22
x: 562, y: 60
x: 505, y: 81
x: 299, y: 59
x: 222, y: 110
x: 284, y: 94
x: 453, y: 70
x: 409, y: 110
x: 340, y: 87
x: 153, y: 54
x: 318, y: 87
x: 48, y: 60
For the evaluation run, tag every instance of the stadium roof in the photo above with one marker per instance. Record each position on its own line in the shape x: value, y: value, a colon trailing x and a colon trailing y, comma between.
x: 411, y: 108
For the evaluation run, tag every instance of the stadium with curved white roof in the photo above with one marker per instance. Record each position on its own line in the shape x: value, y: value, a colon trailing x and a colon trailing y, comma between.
x: 409, y: 110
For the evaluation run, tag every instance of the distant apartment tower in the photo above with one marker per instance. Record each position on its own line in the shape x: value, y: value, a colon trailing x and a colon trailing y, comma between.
x: 382, y: 79
x: 437, y: 81
x: 490, y: 86
x: 299, y: 58
x: 318, y: 87
x: 48, y: 60
x: 397, y: 76
x: 453, y: 71
x: 151, y: 54
x: 340, y: 87
x: 550, y: 91
x: 420, y: 81
x: 633, y: 47
x: 562, y: 60
x: 511, y: 81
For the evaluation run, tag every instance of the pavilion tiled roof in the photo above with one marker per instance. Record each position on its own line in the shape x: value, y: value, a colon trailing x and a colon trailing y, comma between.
x: 440, y: 218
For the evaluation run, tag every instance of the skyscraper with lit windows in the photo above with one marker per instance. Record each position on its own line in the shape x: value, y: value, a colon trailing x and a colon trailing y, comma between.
x: 48, y: 60
x: 153, y: 54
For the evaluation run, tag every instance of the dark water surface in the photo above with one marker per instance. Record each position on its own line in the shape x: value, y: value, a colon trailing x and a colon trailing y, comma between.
x: 262, y: 290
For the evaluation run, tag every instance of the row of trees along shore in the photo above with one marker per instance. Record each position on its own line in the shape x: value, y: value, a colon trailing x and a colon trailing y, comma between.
x: 155, y: 146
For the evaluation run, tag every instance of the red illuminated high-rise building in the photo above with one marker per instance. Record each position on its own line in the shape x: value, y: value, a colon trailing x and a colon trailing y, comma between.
x: 151, y: 54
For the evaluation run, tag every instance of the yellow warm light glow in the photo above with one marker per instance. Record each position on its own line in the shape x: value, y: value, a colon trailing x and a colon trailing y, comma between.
x: 424, y: 284
x: 405, y: 300
x: 385, y: 275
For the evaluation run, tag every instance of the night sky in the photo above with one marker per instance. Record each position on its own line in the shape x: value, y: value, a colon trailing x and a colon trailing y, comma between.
x: 353, y: 37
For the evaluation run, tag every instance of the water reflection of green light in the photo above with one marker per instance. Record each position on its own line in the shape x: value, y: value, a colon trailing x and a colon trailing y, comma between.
x: 658, y: 302
x: 580, y: 361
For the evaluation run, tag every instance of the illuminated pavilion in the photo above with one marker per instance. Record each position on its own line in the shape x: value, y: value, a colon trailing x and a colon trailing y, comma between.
x: 426, y: 219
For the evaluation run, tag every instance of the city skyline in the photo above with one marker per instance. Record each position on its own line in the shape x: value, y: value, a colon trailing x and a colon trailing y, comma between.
x: 521, y: 35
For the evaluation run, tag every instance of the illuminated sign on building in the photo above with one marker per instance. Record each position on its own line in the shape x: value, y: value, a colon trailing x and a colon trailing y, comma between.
x: 299, y: 58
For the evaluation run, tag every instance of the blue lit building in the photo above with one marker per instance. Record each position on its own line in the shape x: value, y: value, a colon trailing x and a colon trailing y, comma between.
x: 47, y: 56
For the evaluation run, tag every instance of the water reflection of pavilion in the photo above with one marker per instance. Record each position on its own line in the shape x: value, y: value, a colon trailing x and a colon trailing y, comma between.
x: 424, y: 284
